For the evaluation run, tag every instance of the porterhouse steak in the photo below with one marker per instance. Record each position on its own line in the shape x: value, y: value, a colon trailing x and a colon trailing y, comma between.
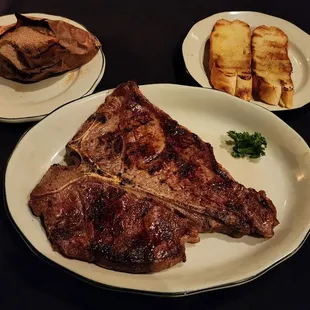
x: 139, y: 186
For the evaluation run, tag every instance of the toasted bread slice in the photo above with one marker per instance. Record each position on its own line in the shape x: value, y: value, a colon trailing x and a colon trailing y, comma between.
x: 272, y: 67
x: 230, y: 58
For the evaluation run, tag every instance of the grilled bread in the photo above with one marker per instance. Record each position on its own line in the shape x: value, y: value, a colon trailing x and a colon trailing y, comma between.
x: 230, y: 58
x: 271, y: 66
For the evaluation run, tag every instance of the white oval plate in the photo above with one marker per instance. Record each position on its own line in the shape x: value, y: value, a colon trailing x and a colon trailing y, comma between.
x: 31, y: 102
x: 194, y: 55
x: 217, y: 261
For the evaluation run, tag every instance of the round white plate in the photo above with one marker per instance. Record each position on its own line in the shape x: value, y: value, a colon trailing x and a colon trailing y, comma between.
x: 195, y: 58
x: 31, y: 102
x: 217, y: 261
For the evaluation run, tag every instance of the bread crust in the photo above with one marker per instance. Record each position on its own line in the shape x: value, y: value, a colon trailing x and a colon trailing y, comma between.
x: 230, y: 58
x: 271, y: 66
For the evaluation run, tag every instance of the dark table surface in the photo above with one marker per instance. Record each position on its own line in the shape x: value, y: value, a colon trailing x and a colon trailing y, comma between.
x: 142, y: 41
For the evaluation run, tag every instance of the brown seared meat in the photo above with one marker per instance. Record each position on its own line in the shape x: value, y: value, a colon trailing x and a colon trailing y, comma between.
x: 91, y: 218
x: 130, y: 138
x: 138, y: 187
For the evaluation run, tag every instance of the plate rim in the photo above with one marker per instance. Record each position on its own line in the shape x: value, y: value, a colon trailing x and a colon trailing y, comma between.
x: 32, y: 118
x: 268, y: 107
x: 130, y: 290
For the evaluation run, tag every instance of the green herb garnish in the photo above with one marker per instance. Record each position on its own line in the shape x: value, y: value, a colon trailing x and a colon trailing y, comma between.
x: 246, y: 144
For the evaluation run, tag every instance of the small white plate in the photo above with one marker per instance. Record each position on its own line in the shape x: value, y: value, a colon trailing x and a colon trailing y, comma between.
x: 31, y: 102
x: 217, y: 261
x: 195, y: 57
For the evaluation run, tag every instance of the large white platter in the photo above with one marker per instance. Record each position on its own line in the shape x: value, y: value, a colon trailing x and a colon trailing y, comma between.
x: 195, y: 51
x: 31, y: 102
x: 218, y: 261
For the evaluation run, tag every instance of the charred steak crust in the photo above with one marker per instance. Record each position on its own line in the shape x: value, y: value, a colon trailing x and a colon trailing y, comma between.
x: 153, y: 152
x: 95, y: 219
x: 138, y: 187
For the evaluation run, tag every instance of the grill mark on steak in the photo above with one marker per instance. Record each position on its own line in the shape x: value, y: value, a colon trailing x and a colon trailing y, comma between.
x: 186, y: 170
x: 101, y: 118
x: 125, y: 181
x: 127, y: 161
x: 118, y: 145
x: 156, y: 167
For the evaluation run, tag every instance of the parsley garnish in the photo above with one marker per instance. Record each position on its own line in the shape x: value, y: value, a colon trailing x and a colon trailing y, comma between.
x: 246, y: 144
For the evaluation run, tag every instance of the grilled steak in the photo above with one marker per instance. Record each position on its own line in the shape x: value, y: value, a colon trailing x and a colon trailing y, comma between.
x: 129, y: 138
x: 92, y: 218
x: 138, y: 187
